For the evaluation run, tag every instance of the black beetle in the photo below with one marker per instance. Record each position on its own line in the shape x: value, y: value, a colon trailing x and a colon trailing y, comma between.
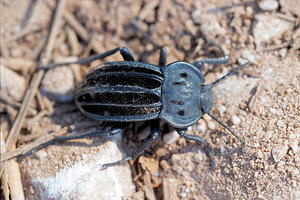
x: 130, y: 91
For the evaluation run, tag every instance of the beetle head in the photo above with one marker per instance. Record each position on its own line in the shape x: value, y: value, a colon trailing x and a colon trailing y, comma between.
x: 206, y: 98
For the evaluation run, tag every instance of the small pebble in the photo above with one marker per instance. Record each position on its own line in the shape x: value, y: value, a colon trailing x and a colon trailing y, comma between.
x: 248, y: 55
x: 58, y: 84
x: 268, y: 5
x: 221, y: 109
x: 280, y: 124
x: 259, y: 154
x: 183, y: 194
x: 252, y: 163
x: 226, y: 170
x: 269, y: 27
x: 280, y: 165
x: 294, y: 144
x: 170, y: 138
x: 256, y: 145
x: 283, y: 52
x: 196, y: 16
x: 11, y: 84
x: 211, y: 125
x: 273, y: 111
x: 279, y: 152
x: 199, y: 156
x: 236, y: 120
x: 165, y: 165
x: 295, y: 172
x: 222, y: 149
x: 201, y: 126
x: 41, y: 154
x: 242, y: 61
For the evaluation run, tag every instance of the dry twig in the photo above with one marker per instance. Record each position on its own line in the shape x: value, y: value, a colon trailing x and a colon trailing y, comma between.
x: 11, y: 169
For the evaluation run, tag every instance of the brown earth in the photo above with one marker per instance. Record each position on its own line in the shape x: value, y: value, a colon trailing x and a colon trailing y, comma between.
x: 260, y: 103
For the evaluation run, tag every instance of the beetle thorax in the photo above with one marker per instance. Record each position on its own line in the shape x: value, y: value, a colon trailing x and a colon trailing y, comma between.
x: 181, y: 94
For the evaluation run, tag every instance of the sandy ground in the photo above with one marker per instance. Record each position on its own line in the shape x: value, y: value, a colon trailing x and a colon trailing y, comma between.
x: 260, y: 103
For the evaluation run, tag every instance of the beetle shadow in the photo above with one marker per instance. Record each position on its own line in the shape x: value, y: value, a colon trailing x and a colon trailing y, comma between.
x: 67, y: 115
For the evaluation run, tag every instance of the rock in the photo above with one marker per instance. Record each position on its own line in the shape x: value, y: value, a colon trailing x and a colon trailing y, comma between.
x: 58, y: 84
x: 268, y: 5
x: 280, y: 124
x: 210, y: 25
x: 76, y: 178
x: 196, y: 16
x: 201, y: 126
x: 249, y: 56
x: 294, y: 144
x: 211, y: 125
x: 149, y: 164
x: 12, y: 84
x: 290, y: 6
x: 236, y: 120
x: 170, y: 138
x: 19, y: 64
x: 269, y: 27
x: 169, y: 188
x: 273, y: 111
x: 221, y: 109
x: 279, y: 152
x: 259, y: 154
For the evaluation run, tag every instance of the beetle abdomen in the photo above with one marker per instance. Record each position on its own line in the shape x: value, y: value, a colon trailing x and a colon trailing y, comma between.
x: 121, y: 91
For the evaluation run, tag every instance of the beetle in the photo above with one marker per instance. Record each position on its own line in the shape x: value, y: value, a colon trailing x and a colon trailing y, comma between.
x: 123, y: 92
x: 129, y: 91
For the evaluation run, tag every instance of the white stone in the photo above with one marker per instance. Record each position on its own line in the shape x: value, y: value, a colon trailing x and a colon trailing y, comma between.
x: 221, y: 109
x: 269, y: 27
x: 236, y: 120
x: 196, y: 16
x: 294, y: 144
x: 84, y: 179
x: 279, y: 152
x: 170, y: 138
x: 273, y: 111
x: 201, y: 126
x: 58, y: 84
x: 11, y: 84
x: 248, y: 55
x: 211, y: 125
x: 268, y: 5
x: 280, y: 124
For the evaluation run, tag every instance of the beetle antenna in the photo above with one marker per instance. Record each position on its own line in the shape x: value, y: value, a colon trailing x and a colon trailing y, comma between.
x: 228, y: 74
x: 242, y: 141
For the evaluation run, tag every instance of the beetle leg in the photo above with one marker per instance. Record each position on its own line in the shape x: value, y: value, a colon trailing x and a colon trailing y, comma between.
x: 182, y: 132
x: 105, y: 134
x: 126, y: 54
x: 153, y: 137
x: 220, y: 60
x: 162, y: 57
